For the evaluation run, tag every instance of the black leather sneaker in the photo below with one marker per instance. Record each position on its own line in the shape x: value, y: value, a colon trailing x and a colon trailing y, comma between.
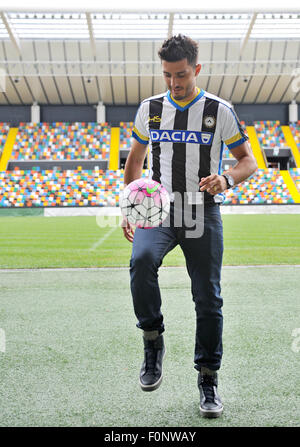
x: 210, y: 402
x: 151, y: 371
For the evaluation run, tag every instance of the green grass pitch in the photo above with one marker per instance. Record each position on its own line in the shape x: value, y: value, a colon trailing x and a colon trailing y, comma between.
x: 40, y: 242
x: 72, y: 352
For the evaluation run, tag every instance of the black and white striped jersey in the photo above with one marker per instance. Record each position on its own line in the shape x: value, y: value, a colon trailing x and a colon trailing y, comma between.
x: 186, y: 140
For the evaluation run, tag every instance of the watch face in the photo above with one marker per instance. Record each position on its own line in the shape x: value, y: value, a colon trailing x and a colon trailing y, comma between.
x: 230, y: 180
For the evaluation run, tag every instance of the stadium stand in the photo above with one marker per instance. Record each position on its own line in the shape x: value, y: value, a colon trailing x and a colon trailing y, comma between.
x: 62, y: 141
x: 227, y: 154
x: 41, y: 188
x: 265, y: 186
x: 278, y: 144
x: 295, y: 129
x: 295, y: 174
x: 125, y: 134
x: 96, y: 187
x: 269, y: 134
x: 4, y: 128
x: 81, y: 186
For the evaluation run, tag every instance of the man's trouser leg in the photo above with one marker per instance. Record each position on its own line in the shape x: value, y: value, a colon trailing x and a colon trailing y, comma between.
x: 204, y: 262
x: 148, y: 250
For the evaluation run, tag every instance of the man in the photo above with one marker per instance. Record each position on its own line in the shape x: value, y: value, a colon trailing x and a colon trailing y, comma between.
x: 185, y: 128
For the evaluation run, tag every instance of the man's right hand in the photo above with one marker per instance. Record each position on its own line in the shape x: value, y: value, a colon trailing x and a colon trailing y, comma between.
x: 128, y: 229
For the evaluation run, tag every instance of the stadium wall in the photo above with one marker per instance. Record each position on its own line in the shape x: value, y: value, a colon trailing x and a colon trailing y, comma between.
x: 15, y: 114
x: 71, y: 114
x: 114, y: 114
x: 263, y: 112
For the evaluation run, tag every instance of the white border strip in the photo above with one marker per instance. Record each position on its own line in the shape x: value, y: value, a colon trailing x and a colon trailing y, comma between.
x: 82, y: 211
x: 163, y: 267
x: 225, y: 209
x: 260, y: 209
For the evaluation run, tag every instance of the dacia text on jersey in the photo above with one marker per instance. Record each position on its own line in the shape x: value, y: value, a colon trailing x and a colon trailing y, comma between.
x: 181, y: 136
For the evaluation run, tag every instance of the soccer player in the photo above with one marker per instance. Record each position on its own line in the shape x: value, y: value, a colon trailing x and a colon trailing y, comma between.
x: 186, y: 129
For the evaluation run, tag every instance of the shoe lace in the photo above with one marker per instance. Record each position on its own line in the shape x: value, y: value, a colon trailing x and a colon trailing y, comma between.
x: 208, y: 383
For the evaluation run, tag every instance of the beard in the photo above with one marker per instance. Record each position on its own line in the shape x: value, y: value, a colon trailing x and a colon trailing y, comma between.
x: 182, y: 93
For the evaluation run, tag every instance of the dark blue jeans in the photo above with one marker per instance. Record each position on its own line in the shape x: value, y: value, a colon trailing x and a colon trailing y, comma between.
x: 203, y: 257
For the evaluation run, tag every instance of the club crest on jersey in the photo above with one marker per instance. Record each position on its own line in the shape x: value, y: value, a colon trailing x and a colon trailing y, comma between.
x: 209, y: 121
x: 181, y: 136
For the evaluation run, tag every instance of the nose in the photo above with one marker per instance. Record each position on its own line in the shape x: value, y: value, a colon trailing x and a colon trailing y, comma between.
x: 174, y: 82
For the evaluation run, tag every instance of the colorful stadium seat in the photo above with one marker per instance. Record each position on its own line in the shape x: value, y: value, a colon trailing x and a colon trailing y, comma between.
x: 4, y: 129
x: 269, y: 134
x: 44, y: 188
x: 265, y: 186
x: 295, y: 129
x: 62, y: 141
x: 125, y: 134
x: 295, y: 174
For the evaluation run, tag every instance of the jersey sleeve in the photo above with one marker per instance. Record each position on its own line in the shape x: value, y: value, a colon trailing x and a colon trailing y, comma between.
x: 140, y: 132
x: 232, y: 132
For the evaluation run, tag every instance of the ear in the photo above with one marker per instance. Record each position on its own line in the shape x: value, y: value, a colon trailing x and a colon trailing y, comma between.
x: 198, y: 69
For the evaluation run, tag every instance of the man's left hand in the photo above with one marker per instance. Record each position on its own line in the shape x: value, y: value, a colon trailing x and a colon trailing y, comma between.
x: 214, y: 184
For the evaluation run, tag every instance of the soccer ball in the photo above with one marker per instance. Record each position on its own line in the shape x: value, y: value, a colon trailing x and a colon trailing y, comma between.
x: 145, y: 203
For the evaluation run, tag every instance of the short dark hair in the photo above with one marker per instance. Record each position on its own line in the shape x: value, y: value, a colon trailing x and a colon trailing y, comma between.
x: 179, y: 47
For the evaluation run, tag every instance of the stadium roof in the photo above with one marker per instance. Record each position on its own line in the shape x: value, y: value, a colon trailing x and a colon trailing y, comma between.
x: 134, y: 25
x: 83, y: 57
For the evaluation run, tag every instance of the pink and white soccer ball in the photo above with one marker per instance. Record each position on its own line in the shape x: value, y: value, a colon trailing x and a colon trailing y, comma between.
x: 145, y: 203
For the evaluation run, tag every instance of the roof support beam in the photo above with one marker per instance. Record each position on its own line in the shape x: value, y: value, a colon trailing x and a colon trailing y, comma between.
x: 248, y: 33
x: 171, y: 22
x: 11, y: 32
x: 91, y: 33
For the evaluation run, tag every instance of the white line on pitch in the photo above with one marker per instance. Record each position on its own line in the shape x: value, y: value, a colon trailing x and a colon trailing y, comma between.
x: 81, y: 269
x: 103, y: 238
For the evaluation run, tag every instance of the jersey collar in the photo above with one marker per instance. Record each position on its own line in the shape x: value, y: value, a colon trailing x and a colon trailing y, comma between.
x: 189, y: 104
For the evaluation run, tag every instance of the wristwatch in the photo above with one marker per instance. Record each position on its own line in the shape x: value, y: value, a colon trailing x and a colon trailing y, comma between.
x: 229, y: 180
